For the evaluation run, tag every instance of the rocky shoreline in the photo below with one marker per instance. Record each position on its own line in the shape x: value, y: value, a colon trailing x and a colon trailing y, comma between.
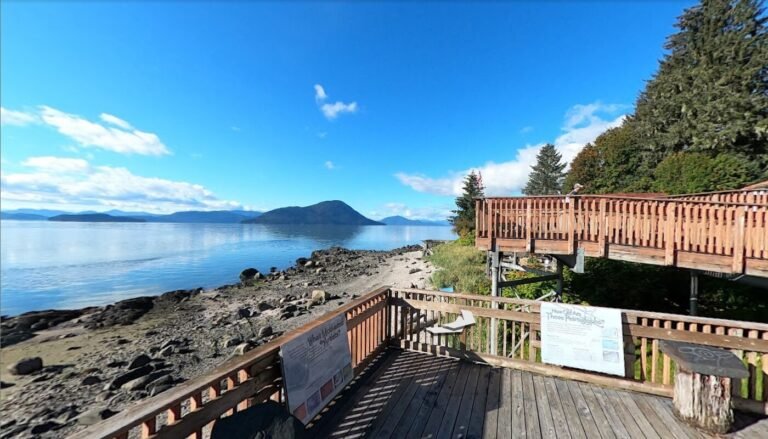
x: 97, y: 361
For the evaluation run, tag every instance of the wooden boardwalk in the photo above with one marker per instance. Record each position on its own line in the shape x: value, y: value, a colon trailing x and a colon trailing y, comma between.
x: 422, y: 396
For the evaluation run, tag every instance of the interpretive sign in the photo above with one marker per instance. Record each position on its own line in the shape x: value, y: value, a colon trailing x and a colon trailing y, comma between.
x: 583, y: 337
x: 316, y: 366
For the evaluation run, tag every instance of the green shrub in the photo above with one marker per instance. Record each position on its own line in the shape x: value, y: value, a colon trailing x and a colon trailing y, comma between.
x: 460, y: 266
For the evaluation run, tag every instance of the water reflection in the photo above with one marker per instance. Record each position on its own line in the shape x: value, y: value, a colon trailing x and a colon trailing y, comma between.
x: 65, y: 265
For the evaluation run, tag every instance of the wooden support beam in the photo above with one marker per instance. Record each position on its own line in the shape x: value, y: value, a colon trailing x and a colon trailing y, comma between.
x: 528, y: 280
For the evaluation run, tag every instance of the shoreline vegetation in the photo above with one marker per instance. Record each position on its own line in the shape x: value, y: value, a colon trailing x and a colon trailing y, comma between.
x: 96, y: 361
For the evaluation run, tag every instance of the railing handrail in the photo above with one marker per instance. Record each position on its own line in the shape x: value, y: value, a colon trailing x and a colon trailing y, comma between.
x: 138, y: 413
x: 622, y: 197
x: 535, y: 304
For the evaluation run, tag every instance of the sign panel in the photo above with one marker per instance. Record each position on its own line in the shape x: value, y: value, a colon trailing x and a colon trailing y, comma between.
x: 583, y: 337
x: 316, y: 366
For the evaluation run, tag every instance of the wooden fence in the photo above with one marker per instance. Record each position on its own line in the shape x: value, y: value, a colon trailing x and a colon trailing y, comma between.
x: 399, y: 317
x: 701, y: 234
x: 518, y: 341
x: 189, y: 409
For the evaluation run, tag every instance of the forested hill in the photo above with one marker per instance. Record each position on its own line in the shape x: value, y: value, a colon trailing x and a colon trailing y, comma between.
x: 327, y: 212
x: 96, y: 218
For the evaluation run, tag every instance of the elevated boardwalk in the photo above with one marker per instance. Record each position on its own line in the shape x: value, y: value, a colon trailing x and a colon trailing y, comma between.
x: 723, y: 232
x: 410, y: 383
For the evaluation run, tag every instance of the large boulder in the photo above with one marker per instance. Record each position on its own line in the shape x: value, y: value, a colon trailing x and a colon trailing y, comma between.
x: 320, y: 296
x: 250, y: 274
x: 26, y: 366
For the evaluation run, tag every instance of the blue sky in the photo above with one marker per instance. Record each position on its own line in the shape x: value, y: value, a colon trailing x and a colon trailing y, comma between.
x: 203, y: 105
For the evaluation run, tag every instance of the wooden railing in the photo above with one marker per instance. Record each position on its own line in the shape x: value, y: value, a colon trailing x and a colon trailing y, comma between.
x: 518, y: 344
x: 701, y: 234
x: 749, y: 196
x: 399, y: 317
x: 190, y: 409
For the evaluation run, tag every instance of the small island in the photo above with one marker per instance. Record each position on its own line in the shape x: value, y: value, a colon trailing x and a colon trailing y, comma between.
x: 333, y: 212
x: 96, y: 218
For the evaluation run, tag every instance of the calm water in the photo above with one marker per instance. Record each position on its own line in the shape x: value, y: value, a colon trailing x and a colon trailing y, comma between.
x: 55, y: 265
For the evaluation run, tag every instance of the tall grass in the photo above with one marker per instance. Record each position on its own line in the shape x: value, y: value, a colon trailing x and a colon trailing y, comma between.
x: 460, y: 266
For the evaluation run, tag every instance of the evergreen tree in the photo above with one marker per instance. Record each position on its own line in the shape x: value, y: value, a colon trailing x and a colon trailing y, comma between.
x: 547, y: 174
x: 711, y: 91
x: 464, y: 220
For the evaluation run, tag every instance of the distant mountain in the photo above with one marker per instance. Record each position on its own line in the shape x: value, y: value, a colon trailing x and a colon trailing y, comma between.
x: 47, y: 213
x: 216, y: 216
x: 22, y: 216
x: 398, y: 220
x: 326, y: 213
x: 95, y: 218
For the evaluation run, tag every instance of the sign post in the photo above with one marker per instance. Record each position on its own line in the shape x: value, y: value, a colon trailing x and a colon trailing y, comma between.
x: 316, y: 366
x: 583, y: 337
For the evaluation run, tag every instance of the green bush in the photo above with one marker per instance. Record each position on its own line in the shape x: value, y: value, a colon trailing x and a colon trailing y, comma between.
x: 460, y: 266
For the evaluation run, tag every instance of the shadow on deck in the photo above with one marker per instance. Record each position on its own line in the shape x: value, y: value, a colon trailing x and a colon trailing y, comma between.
x: 409, y: 394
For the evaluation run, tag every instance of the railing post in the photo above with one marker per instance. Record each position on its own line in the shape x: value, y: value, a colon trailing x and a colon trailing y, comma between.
x: 603, y: 229
x: 739, y: 224
x: 669, y: 233
x: 572, y: 224
x: 528, y: 225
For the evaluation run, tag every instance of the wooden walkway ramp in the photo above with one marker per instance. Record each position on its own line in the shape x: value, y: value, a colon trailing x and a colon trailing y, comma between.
x: 423, y: 396
x: 724, y: 232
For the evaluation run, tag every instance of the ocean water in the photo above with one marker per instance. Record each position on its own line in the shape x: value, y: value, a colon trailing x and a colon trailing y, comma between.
x: 57, y: 265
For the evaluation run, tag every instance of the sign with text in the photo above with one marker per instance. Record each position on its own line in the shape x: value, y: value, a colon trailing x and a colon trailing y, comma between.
x: 583, y: 337
x: 316, y: 366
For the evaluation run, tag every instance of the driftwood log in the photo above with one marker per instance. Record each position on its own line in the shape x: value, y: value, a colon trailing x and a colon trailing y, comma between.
x: 702, y: 395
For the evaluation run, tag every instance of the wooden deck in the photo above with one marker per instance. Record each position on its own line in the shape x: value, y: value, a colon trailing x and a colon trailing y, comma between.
x: 720, y: 232
x: 422, y: 396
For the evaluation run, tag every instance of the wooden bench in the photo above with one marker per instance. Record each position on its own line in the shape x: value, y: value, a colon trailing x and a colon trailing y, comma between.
x: 702, y: 395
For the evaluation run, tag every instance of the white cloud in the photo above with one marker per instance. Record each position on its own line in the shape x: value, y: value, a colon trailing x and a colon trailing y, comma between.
x: 92, y: 134
x: 320, y: 93
x: 62, y: 181
x: 56, y: 164
x: 114, y: 120
x: 18, y: 118
x: 332, y: 111
x: 582, y: 125
x: 526, y: 129
x: 329, y: 165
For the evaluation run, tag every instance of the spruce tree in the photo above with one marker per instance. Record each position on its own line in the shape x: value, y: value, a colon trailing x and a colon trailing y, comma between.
x: 710, y: 94
x: 464, y: 219
x: 547, y: 174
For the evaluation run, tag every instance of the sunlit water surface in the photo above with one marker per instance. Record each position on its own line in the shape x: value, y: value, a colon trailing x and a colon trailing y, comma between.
x: 57, y: 265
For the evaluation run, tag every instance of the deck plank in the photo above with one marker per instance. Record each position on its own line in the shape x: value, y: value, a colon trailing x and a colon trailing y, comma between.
x: 634, y: 411
x: 454, y: 402
x: 677, y: 427
x: 661, y: 428
x: 423, y: 398
x: 532, y: 424
x: 464, y: 415
x: 556, y: 407
x: 409, y: 394
x: 572, y: 416
x: 544, y: 407
x: 356, y: 421
x: 504, y: 427
x: 492, y: 404
x: 386, y: 422
x: 432, y: 425
x: 475, y: 429
x: 623, y: 425
x: 587, y: 420
x: 597, y: 412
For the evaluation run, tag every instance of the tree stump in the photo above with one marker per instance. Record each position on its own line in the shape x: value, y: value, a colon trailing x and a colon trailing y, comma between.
x: 702, y: 395
x: 703, y: 400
